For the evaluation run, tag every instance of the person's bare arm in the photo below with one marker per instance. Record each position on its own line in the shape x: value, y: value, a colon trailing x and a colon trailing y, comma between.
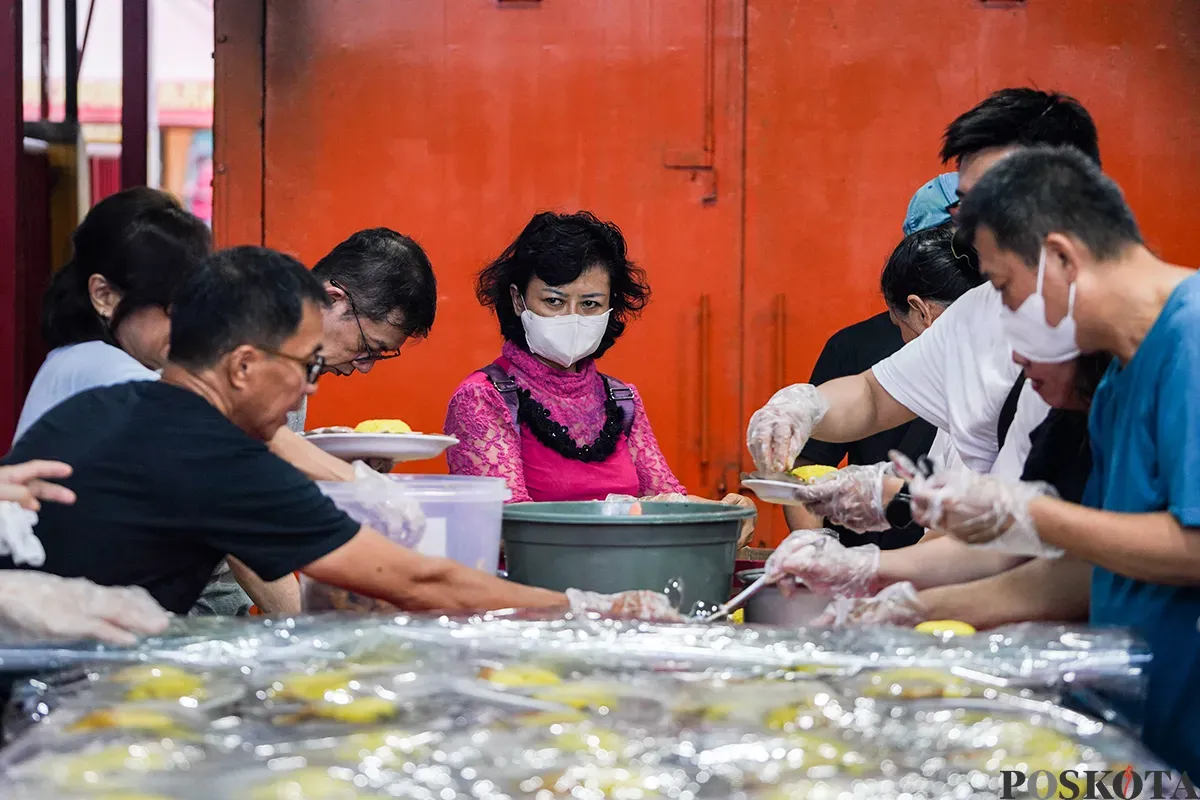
x: 1149, y: 547
x: 858, y: 407
x: 1045, y: 589
x: 941, y: 562
x: 276, y: 597
x: 308, y: 458
x: 371, y: 565
x: 800, y: 518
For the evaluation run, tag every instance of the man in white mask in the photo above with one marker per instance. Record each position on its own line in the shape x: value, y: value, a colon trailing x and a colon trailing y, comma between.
x: 958, y: 375
x: 1057, y: 240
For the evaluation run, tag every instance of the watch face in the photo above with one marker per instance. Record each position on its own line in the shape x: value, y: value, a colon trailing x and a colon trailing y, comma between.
x: 898, y: 512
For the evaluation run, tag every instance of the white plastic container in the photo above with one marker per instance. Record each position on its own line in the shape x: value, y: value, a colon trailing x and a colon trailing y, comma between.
x: 462, y: 513
x: 462, y: 516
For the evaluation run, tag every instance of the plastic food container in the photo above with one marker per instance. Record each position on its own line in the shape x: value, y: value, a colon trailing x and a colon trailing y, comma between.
x: 462, y: 514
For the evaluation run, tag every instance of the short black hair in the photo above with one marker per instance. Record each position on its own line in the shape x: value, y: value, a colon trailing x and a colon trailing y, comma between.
x: 925, y: 264
x: 1024, y: 117
x: 1037, y: 191
x: 143, y: 243
x: 388, y: 276
x: 558, y: 248
x: 243, y: 295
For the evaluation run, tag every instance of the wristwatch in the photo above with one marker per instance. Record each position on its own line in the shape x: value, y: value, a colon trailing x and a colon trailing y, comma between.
x: 899, y: 511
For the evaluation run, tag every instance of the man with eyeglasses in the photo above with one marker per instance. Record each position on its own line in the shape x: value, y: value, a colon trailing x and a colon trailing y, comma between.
x: 172, y: 476
x: 382, y: 293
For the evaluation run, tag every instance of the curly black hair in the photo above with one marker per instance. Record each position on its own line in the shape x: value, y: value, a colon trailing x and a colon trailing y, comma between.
x: 558, y: 248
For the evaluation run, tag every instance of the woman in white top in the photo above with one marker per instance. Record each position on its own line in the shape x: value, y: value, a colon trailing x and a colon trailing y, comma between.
x: 105, y: 314
x: 105, y: 318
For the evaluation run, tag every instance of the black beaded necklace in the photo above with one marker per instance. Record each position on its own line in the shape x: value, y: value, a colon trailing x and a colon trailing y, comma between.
x: 558, y: 438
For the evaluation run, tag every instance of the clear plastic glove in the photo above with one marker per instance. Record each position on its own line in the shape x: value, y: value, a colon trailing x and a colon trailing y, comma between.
x: 981, y: 510
x: 851, y: 497
x: 376, y: 500
x: 28, y: 484
x: 779, y: 430
x: 675, y: 497
x: 894, y: 605
x: 41, y: 604
x: 817, y: 560
x: 640, y: 604
x: 17, y: 539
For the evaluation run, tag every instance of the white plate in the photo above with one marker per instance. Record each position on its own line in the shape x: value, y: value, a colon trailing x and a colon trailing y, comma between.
x: 779, y: 492
x: 396, y: 446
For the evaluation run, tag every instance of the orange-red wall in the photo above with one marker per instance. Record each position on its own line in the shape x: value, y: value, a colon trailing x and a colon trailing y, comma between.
x: 758, y: 154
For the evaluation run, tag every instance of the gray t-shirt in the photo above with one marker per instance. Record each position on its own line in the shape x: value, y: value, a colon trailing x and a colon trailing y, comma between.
x: 222, y: 597
x: 295, y: 419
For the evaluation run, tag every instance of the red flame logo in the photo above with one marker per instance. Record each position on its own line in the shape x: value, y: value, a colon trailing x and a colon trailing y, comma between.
x: 1126, y: 789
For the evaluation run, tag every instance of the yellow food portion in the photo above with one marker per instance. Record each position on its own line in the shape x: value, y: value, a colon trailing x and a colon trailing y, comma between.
x: 382, y: 426
x: 580, y: 696
x: 389, y: 746
x: 160, y: 683
x: 914, y: 683
x: 305, y: 686
x: 811, y: 472
x: 737, y: 617
x: 544, y: 719
x: 128, y: 718
x: 520, y: 677
x: 310, y: 783
x: 98, y: 766
x: 941, y: 627
x: 585, y: 739
x: 358, y: 711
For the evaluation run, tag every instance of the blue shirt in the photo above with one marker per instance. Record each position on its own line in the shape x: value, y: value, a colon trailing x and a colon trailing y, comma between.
x: 1145, y: 429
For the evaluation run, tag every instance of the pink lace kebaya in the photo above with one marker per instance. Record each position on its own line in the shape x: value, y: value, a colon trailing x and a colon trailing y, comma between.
x: 490, y: 445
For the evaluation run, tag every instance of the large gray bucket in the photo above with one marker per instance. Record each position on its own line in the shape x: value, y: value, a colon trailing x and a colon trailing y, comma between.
x: 586, y: 546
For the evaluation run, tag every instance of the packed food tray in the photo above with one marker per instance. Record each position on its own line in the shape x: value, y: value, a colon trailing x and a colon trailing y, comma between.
x: 516, y: 706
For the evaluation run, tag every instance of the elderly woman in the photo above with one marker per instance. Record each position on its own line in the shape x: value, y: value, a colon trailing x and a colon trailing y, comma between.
x: 542, y: 416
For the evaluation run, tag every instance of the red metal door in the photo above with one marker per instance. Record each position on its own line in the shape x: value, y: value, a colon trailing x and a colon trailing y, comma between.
x: 846, y: 102
x: 455, y: 120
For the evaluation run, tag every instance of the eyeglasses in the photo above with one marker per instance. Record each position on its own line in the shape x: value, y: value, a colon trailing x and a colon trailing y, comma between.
x: 313, y: 365
x: 372, y: 355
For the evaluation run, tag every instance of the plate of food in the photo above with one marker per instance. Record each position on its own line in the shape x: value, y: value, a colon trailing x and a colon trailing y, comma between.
x: 389, y: 439
x: 781, y: 489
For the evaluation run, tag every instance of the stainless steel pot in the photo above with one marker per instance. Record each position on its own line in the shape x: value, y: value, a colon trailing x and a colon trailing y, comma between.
x: 770, y: 607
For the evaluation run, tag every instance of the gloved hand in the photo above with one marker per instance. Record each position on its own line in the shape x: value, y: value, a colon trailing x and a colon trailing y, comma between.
x: 981, y: 510
x: 816, y: 559
x: 894, y: 605
x: 779, y: 430
x: 675, y: 497
x: 851, y: 497
x: 27, y: 484
x: 376, y: 500
x: 640, y: 604
x: 71, y: 608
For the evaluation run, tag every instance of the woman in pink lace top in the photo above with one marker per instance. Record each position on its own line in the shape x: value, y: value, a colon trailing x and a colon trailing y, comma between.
x: 542, y: 416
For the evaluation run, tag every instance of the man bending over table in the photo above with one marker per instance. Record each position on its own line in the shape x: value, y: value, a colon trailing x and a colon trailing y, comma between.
x: 173, y: 475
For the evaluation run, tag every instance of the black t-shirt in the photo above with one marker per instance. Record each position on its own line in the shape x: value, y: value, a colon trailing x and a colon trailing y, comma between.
x: 1060, y: 453
x: 167, y: 487
x: 851, y: 351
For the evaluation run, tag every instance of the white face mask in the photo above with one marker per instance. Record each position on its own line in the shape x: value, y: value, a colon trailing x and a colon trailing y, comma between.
x: 564, y: 340
x: 1031, y: 336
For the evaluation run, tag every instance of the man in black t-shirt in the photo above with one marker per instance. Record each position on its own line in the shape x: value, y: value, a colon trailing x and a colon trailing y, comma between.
x: 171, y: 476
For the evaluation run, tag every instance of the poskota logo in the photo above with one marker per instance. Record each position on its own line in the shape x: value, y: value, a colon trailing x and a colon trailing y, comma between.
x: 1126, y: 784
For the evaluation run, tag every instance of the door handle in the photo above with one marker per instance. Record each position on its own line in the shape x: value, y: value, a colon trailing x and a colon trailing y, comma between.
x: 703, y: 380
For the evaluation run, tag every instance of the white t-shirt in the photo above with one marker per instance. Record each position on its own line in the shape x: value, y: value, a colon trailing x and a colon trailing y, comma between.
x: 957, y: 374
x: 69, y: 370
